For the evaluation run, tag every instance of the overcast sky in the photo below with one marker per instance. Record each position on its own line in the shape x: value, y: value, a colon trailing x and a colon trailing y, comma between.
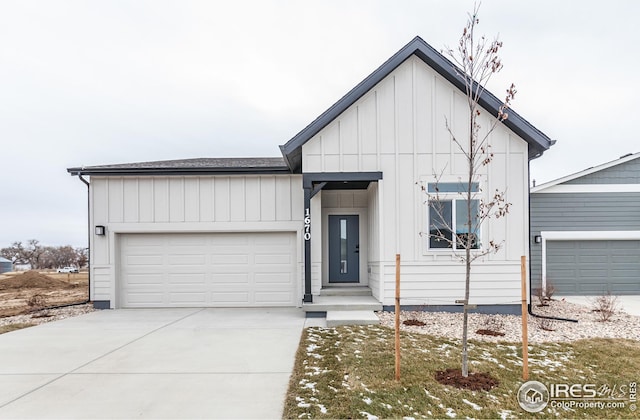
x: 99, y: 82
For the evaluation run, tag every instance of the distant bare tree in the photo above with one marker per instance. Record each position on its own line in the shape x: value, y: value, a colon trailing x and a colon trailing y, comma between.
x: 40, y: 257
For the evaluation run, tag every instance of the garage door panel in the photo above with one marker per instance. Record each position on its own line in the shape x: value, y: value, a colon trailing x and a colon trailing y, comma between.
x: 147, y: 279
x: 188, y: 298
x: 273, y: 278
x: 185, y: 240
x: 230, y: 298
x: 273, y: 259
x: 266, y: 297
x: 225, y: 259
x: 186, y: 259
x: 601, y: 266
x: 144, y: 260
x: 187, y: 278
x: 146, y: 299
x: 225, y: 279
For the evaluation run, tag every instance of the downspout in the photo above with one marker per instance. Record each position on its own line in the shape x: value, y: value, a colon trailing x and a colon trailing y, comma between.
x: 88, y: 237
x: 529, y: 307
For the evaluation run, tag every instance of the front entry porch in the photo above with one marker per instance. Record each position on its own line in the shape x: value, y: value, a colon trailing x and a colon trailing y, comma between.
x: 338, y: 248
x: 344, y: 306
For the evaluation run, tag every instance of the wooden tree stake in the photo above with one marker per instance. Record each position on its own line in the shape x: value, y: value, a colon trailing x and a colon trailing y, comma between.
x: 525, y: 335
x: 397, y: 309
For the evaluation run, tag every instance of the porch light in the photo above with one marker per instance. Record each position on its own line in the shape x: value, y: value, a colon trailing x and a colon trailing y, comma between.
x: 99, y: 230
x: 537, y: 239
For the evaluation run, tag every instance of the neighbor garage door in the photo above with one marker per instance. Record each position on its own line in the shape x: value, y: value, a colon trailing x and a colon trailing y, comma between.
x: 594, y: 267
x: 207, y: 270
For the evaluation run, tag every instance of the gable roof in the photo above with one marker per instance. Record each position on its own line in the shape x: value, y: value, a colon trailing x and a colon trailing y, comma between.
x: 292, y: 150
x: 623, y: 159
x: 271, y: 165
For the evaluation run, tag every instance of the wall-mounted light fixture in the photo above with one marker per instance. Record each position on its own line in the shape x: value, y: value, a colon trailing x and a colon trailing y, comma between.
x: 537, y: 239
x: 100, y: 230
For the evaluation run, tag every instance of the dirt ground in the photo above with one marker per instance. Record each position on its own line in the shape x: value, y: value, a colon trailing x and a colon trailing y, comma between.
x: 21, y: 293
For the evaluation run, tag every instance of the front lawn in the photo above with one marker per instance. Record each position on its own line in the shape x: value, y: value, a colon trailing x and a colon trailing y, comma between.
x: 348, y: 372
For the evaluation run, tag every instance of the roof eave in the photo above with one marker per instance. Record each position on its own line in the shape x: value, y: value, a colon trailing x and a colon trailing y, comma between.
x: 176, y: 171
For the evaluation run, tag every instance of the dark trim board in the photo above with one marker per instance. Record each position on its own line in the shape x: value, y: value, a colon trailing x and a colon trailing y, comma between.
x: 102, y: 304
x: 482, y: 309
x: 310, y: 178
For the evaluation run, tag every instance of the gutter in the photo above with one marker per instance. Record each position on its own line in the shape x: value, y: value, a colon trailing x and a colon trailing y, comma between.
x: 179, y: 171
x: 84, y: 181
x: 529, y: 307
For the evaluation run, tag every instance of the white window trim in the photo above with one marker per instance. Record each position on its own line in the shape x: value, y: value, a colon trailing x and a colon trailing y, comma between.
x: 582, y: 235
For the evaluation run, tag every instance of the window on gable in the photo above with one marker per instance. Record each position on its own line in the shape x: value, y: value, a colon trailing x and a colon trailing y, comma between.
x: 448, y: 221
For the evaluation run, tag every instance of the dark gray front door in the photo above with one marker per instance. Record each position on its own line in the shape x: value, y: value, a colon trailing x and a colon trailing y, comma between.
x: 344, y: 249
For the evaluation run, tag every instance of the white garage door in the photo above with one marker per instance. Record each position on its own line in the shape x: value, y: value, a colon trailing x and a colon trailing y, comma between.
x: 200, y: 270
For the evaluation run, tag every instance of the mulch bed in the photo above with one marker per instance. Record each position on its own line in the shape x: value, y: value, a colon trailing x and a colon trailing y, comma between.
x: 414, y: 322
x: 475, y: 381
x: 490, y: 332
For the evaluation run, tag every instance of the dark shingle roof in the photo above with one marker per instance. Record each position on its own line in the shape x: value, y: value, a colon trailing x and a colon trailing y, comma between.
x: 189, y: 166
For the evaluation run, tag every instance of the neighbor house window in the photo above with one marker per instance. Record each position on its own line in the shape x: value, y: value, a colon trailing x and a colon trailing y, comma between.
x: 449, y: 226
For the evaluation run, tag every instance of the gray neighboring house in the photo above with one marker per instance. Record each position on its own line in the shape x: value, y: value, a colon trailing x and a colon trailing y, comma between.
x: 585, y: 230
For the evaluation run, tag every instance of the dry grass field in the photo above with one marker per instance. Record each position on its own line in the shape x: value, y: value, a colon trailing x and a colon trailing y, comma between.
x: 24, y: 292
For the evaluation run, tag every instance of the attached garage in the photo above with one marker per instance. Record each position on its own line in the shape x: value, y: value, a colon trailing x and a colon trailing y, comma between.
x: 207, y: 270
x: 593, y: 267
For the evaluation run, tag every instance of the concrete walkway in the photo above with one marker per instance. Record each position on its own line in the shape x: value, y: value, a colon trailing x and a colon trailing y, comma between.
x: 165, y: 363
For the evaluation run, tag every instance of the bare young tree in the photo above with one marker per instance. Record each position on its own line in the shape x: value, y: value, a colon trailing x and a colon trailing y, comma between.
x: 475, y: 60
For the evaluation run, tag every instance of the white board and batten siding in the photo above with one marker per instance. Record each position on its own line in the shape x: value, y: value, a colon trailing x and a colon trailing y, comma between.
x: 173, y: 208
x: 398, y: 128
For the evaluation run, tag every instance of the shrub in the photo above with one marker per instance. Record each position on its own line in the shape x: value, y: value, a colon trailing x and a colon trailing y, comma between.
x: 605, y: 306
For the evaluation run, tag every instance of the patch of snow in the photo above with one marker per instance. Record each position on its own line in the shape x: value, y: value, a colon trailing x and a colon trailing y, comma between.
x: 367, y: 400
x: 369, y: 416
x: 322, y: 408
x: 450, y: 412
x: 430, y: 395
x: 408, y: 418
x: 312, y: 347
x: 474, y: 405
x: 387, y: 406
x: 367, y: 389
x: 505, y: 414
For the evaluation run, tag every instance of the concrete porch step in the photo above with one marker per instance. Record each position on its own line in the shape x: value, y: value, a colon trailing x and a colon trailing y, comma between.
x: 338, y: 318
x: 342, y: 303
x: 345, y: 291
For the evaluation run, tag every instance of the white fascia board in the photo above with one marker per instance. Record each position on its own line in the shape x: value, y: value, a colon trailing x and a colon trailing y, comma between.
x: 591, y: 235
x: 591, y: 170
x: 589, y: 188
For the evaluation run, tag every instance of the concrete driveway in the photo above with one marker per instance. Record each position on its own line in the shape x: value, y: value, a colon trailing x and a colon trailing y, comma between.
x: 165, y: 363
